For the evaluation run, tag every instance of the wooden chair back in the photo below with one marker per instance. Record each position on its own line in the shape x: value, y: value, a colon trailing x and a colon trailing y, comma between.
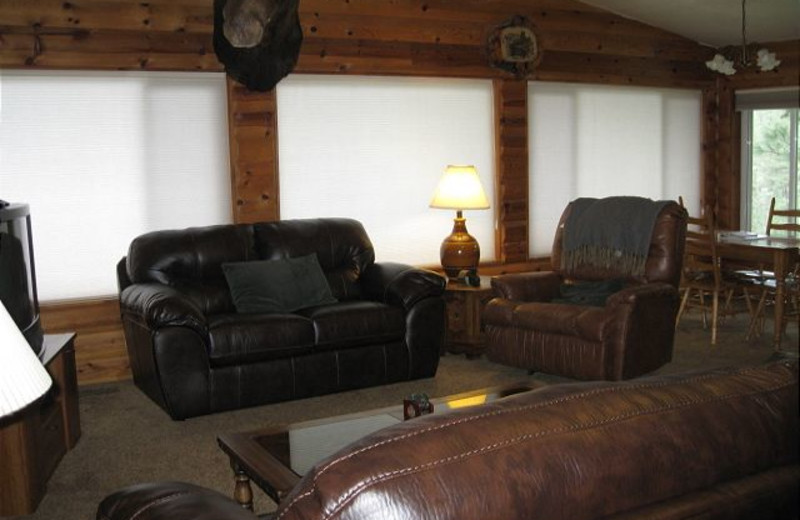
x: 788, y: 220
x: 700, y: 253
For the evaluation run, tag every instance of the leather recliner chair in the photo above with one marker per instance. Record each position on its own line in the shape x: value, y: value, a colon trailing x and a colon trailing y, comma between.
x: 632, y: 334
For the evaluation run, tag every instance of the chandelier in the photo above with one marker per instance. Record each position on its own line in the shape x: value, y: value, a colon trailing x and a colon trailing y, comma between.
x: 725, y: 61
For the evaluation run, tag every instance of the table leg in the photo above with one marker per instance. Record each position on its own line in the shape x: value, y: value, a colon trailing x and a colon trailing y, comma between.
x: 242, y: 492
x: 780, y: 294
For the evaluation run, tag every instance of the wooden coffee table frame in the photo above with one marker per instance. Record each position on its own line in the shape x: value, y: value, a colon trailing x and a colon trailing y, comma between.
x: 251, y: 461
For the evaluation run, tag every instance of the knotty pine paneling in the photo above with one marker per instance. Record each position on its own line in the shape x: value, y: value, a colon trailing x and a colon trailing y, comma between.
x: 709, y: 147
x: 726, y: 207
x: 511, y: 169
x: 252, y: 128
x: 100, y: 353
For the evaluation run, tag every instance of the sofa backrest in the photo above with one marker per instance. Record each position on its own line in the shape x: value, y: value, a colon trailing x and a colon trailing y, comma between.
x: 664, y: 259
x: 686, y: 446
x: 342, y: 247
x: 191, y: 259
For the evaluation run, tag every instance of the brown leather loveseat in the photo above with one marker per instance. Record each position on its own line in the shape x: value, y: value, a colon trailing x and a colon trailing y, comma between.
x: 720, y: 445
x: 533, y: 324
x: 193, y: 353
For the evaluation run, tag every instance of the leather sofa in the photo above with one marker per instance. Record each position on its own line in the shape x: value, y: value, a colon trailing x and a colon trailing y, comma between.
x: 631, y: 334
x: 192, y: 353
x: 719, y: 444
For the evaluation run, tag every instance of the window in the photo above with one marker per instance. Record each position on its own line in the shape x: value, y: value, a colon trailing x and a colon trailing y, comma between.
x: 374, y: 148
x: 769, y: 163
x: 600, y: 141
x: 103, y: 157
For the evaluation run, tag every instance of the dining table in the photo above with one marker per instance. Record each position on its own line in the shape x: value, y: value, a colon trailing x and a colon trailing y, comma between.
x: 779, y: 254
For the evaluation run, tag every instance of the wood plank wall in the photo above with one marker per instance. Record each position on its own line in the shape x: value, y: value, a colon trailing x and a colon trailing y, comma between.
x: 444, y: 38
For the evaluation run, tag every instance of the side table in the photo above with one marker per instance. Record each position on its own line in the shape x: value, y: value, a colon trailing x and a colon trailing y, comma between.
x: 465, y: 305
x: 33, y: 441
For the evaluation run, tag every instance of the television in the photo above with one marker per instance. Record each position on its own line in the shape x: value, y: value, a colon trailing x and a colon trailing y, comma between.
x: 18, y: 273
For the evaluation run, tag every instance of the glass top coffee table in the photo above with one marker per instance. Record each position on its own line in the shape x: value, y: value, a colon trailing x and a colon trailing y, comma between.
x: 275, y: 458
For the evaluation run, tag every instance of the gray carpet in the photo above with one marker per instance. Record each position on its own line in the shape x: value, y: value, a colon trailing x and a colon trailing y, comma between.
x: 127, y: 439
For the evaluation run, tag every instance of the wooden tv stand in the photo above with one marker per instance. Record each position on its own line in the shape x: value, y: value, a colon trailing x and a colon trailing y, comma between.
x: 33, y: 441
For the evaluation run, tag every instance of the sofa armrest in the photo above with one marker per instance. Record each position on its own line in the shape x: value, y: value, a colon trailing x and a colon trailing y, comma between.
x: 539, y: 286
x: 401, y: 284
x: 160, y: 305
x: 170, y: 501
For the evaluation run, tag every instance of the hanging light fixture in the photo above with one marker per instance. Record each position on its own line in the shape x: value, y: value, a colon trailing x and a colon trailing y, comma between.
x: 725, y: 62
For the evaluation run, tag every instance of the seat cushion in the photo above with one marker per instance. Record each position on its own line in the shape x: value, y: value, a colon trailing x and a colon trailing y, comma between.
x: 354, y: 323
x: 248, y: 338
x: 590, y: 323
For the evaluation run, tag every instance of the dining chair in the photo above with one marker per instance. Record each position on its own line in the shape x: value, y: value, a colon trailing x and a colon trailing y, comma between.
x: 784, y: 222
x: 701, y: 277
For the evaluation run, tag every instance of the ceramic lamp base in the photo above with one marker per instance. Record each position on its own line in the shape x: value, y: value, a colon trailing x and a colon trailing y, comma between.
x: 460, y: 251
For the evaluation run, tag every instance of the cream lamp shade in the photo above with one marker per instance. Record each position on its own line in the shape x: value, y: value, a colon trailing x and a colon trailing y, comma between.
x: 23, y: 378
x: 460, y: 188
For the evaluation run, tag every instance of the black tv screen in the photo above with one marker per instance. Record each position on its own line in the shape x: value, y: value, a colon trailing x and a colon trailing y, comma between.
x: 17, y: 271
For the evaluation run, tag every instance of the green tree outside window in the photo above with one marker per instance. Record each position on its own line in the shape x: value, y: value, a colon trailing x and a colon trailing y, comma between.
x: 775, y: 163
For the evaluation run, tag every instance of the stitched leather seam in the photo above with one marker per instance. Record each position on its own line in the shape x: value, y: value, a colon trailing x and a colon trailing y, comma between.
x: 545, y: 404
x: 377, y: 479
x: 154, y: 503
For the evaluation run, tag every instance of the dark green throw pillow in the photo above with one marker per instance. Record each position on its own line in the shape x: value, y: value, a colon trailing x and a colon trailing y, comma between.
x: 269, y: 286
x: 588, y: 293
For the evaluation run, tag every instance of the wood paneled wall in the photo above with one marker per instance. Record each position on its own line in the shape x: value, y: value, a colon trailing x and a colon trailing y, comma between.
x: 253, y: 129
x: 511, y: 151
x: 444, y: 38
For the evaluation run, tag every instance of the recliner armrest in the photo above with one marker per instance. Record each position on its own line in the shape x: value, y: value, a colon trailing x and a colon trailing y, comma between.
x: 401, y: 284
x: 538, y: 286
x: 161, y: 305
x: 631, y: 295
x: 170, y: 501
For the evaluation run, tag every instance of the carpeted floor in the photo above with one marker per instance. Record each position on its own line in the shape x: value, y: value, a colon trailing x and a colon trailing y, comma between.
x: 127, y: 439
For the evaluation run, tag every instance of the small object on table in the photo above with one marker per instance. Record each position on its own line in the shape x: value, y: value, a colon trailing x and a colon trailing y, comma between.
x: 469, y: 277
x: 416, y: 405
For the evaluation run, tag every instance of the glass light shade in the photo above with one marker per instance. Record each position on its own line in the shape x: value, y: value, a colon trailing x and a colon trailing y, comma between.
x: 23, y: 378
x: 460, y: 188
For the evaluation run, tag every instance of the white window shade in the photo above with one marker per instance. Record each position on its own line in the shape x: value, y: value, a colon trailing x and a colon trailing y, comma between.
x: 374, y: 149
x: 599, y: 141
x: 103, y: 157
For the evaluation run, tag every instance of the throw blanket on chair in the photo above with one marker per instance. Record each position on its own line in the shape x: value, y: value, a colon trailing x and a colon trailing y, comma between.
x: 614, y: 231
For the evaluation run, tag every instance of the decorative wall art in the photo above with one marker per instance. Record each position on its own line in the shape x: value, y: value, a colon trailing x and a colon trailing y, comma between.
x: 512, y: 47
x: 258, y: 41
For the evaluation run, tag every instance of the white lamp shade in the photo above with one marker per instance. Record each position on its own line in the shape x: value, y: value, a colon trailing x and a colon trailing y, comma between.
x: 460, y: 188
x: 23, y: 378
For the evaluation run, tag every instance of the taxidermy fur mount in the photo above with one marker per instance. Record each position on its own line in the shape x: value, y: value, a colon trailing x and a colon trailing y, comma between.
x: 258, y: 41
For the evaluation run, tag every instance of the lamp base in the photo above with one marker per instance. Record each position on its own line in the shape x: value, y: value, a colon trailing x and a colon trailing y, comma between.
x: 460, y: 251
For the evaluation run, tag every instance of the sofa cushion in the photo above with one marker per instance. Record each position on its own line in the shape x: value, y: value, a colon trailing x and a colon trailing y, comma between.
x: 350, y: 324
x: 342, y: 247
x: 182, y: 255
x: 247, y: 338
x: 284, y: 285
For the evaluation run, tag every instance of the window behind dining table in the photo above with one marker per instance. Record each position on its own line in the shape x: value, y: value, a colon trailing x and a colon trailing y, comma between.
x: 770, y: 160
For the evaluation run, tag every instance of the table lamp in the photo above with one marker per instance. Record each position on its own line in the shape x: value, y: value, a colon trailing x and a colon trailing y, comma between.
x: 459, y: 188
x: 23, y: 378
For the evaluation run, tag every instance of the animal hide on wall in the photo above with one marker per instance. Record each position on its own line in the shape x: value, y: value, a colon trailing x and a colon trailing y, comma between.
x: 258, y: 41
